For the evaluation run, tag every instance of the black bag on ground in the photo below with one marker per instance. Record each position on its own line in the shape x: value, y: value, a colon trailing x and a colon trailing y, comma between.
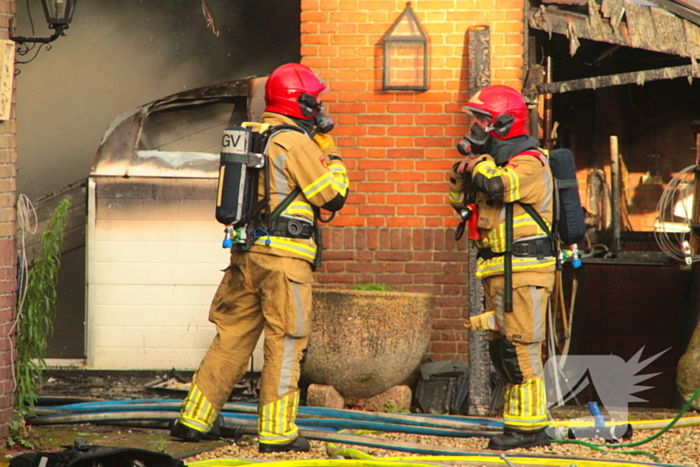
x: 85, y: 455
x: 443, y: 387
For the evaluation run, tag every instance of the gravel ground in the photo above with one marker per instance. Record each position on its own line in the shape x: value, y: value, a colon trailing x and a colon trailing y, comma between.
x: 678, y: 446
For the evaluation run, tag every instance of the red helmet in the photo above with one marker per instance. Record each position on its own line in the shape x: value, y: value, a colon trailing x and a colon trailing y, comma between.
x: 504, y: 107
x: 293, y: 90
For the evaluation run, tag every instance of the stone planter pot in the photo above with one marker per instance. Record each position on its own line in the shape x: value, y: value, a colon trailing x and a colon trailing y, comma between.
x: 364, y: 342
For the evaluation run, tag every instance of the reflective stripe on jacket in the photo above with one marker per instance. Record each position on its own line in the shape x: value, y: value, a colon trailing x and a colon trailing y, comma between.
x: 524, y: 179
x: 296, y: 161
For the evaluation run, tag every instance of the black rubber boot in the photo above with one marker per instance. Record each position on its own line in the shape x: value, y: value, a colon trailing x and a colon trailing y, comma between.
x: 511, y: 439
x: 185, y: 433
x: 300, y: 444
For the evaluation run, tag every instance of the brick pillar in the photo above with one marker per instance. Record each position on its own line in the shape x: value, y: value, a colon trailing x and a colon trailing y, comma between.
x: 8, y: 250
x: 397, y: 227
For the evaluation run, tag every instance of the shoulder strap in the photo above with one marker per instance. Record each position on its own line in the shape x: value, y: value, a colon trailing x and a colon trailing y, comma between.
x: 532, y: 211
x: 269, y: 133
x: 265, y: 202
x: 533, y: 153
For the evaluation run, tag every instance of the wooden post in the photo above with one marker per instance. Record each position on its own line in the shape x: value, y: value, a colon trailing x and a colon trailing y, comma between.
x: 479, y: 360
x: 615, y: 184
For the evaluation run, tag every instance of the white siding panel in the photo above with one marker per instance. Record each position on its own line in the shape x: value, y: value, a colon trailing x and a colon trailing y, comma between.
x: 154, y: 265
x: 162, y: 252
x: 161, y: 231
x: 157, y: 274
x: 153, y: 337
x: 147, y: 359
x: 160, y: 209
x: 166, y: 316
x: 144, y: 295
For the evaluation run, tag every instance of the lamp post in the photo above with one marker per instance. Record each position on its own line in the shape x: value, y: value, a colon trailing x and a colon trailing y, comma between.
x: 59, y: 14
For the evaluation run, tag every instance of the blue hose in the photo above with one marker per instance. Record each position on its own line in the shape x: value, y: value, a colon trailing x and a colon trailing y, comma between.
x: 234, y: 419
x: 433, y: 421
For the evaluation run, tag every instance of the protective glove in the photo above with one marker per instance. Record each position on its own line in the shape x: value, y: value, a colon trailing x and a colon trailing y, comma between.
x: 473, y: 161
x: 324, y: 141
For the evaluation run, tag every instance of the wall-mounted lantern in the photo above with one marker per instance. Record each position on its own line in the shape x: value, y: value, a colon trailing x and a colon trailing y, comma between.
x: 406, y: 57
x: 59, y: 14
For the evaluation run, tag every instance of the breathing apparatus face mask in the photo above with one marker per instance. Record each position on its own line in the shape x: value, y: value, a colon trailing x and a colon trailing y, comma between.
x: 314, y: 110
x: 323, y: 123
x: 473, y: 142
x: 478, y: 135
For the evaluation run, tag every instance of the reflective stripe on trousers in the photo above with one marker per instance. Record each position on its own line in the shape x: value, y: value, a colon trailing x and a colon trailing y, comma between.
x: 257, y: 292
x: 276, y: 420
x: 525, y: 406
x: 196, y: 411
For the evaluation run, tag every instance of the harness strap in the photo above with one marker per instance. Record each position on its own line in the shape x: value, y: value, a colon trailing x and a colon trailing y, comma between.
x: 538, y: 219
x: 285, y: 203
x: 530, y: 248
x: 508, y: 261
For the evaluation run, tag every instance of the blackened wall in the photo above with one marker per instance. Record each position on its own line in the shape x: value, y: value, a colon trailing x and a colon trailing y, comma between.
x: 119, y: 54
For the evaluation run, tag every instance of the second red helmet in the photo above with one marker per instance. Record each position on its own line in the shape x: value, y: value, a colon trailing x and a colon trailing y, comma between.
x: 293, y: 90
x: 504, y: 106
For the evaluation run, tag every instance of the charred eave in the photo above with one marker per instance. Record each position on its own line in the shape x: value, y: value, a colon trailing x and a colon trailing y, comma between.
x: 638, y: 77
x: 622, y: 23
x: 679, y: 9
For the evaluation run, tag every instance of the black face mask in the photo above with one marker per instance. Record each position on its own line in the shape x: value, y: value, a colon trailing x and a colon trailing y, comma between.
x: 474, y: 142
x: 465, y: 147
x: 477, y: 135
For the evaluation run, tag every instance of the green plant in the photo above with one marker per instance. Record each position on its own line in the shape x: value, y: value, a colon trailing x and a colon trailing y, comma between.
x: 161, y: 446
x: 389, y: 407
x: 375, y: 287
x: 35, y: 311
x: 19, y: 433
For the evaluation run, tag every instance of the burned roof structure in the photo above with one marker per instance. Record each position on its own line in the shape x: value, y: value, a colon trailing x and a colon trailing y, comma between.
x: 668, y: 30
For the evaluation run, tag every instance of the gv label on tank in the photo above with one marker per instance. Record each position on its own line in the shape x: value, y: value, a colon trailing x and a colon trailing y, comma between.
x: 235, y: 141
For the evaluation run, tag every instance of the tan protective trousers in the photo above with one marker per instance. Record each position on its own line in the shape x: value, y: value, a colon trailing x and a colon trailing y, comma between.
x: 258, y: 292
x: 521, y: 332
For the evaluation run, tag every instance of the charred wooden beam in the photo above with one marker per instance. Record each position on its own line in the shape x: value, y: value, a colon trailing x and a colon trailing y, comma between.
x: 636, y: 77
x: 479, y: 58
x: 679, y: 10
x: 479, y: 397
x: 567, y: 2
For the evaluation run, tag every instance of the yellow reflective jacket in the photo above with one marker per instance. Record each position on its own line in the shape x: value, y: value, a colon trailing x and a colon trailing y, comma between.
x: 524, y: 179
x: 296, y: 161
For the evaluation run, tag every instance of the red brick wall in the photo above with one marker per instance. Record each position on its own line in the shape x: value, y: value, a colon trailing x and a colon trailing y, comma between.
x: 8, y: 251
x: 397, y: 227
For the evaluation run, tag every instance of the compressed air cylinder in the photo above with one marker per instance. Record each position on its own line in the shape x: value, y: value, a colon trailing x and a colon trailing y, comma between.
x: 238, y: 170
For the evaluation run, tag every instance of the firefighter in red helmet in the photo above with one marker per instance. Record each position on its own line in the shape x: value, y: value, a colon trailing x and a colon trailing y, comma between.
x: 506, y: 181
x: 267, y: 285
